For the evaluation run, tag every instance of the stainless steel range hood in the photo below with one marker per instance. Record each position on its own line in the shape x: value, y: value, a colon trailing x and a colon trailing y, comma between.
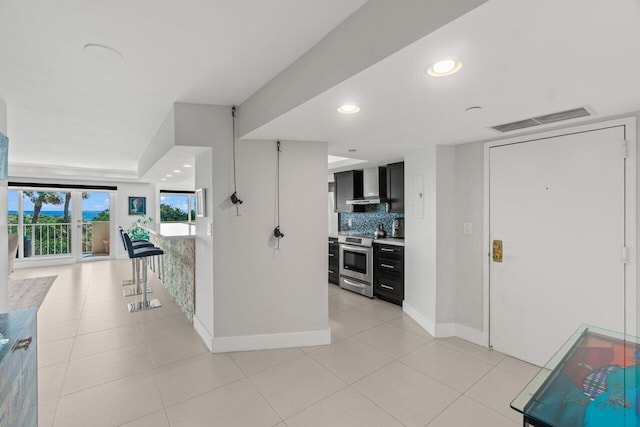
x: 374, y: 187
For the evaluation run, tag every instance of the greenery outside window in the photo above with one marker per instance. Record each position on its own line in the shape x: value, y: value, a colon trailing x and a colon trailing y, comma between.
x: 177, y: 207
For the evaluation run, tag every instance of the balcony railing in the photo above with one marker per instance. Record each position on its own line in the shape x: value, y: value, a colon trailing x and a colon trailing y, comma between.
x: 51, y: 239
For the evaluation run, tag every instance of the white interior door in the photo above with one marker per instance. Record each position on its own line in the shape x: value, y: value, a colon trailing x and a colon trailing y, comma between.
x: 558, y: 205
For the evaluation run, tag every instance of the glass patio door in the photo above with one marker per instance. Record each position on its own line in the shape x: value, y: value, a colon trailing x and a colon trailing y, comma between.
x: 91, y: 224
x: 60, y: 223
x: 42, y: 222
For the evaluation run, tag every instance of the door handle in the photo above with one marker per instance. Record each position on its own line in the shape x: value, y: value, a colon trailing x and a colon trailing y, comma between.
x: 387, y: 266
x: 497, y: 251
x: 357, y: 285
x: 22, y: 344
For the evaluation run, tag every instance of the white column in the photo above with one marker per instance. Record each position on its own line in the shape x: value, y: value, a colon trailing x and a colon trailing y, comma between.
x: 4, y: 268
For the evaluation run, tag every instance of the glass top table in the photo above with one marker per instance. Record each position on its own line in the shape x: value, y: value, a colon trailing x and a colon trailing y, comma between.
x: 592, y: 381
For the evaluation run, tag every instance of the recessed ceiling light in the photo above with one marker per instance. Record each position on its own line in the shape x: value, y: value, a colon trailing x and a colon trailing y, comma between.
x: 163, y: 179
x: 445, y: 67
x: 352, y: 150
x: 186, y: 166
x: 348, y: 109
x: 102, y: 51
x: 169, y: 175
x: 177, y: 170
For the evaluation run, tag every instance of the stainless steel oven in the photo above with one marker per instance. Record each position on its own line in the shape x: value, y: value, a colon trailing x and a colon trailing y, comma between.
x: 356, y: 264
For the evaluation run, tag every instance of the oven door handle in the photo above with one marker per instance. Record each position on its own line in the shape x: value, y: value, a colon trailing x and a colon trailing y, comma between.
x: 364, y: 250
x: 357, y: 285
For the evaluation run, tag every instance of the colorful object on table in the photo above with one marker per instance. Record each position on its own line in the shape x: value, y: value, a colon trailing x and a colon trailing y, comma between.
x: 595, y: 383
x: 613, y: 408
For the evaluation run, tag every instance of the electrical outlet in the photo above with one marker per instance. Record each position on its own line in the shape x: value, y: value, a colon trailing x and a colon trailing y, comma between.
x: 350, y: 222
x: 209, y: 229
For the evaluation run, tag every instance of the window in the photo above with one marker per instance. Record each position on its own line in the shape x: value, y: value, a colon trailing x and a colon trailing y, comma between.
x: 177, y: 207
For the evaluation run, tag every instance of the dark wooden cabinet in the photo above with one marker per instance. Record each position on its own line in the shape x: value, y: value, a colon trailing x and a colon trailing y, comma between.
x: 388, y: 272
x: 334, y: 260
x: 395, y: 187
x: 348, y: 186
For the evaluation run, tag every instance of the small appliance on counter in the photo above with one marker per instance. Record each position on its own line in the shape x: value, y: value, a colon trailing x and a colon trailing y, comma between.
x: 398, y: 228
x: 380, y: 233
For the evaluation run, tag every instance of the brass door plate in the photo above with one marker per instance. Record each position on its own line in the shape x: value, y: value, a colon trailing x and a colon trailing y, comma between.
x: 497, y: 251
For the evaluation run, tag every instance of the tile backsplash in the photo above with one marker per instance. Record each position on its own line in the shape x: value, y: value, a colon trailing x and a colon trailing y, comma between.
x: 367, y: 222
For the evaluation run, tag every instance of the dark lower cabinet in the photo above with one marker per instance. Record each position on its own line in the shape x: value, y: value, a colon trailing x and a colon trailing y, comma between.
x: 388, y: 272
x: 334, y: 260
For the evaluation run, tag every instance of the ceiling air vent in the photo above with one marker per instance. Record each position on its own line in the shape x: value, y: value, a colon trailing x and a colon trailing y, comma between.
x: 543, y: 120
x: 563, y: 115
x: 516, y: 125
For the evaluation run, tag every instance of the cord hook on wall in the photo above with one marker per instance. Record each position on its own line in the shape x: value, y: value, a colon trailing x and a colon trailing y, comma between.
x: 234, y: 197
x: 276, y: 231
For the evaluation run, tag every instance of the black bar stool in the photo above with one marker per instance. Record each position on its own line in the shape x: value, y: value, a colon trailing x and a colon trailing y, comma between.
x: 141, y: 256
x: 137, y: 244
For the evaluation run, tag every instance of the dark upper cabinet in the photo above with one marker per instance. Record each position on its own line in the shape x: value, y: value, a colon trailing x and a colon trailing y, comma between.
x: 395, y: 187
x: 348, y: 186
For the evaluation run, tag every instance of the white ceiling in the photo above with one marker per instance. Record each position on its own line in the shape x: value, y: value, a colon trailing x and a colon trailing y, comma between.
x: 69, y: 108
x: 521, y: 58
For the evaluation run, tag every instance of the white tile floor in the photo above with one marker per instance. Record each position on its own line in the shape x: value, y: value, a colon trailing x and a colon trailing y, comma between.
x: 103, y: 366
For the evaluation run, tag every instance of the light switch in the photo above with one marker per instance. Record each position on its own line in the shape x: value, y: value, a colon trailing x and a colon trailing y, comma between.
x: 209, y: 229
x: 467, y: 228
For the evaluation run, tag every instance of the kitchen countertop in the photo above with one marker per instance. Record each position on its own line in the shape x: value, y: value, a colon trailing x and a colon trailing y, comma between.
x: 173, y: 230
x: 390, y: 241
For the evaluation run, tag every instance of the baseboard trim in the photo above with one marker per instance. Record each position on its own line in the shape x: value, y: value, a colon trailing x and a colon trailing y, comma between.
x: 203, y: 332
x: 472, y: 335
x: 270, y: 341
x: 445, y: 330
x: 425, y: 323
x: 441, y: 330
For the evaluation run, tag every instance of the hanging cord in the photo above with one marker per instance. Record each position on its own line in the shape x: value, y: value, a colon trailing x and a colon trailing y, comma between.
x: 234, y: 197
x: 276, y: 231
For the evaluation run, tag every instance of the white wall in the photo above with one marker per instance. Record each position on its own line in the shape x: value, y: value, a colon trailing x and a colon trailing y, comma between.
x: 162, y: 141
x: 264, y: 297
x: 121, y: 210
x: 3, y: 116
x: 189, y: 122
x: 204, y: 246
x: 420, y: 240
x: 470, y: 255
x: 4, y: 268
x: 249, y: 296
x: 445, y: 240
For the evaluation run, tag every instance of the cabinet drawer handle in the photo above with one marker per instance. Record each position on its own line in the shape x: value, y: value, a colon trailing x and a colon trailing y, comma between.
x: 387, y: 266
x: 331, y: 271
x: 330, y: 254
x: 23, y: 344
x: 386, y: 250
x: 386, y: 287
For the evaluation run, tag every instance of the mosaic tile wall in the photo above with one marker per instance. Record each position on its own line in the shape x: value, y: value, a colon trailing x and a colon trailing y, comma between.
x: 179, y: 271
x: 367, y: 221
